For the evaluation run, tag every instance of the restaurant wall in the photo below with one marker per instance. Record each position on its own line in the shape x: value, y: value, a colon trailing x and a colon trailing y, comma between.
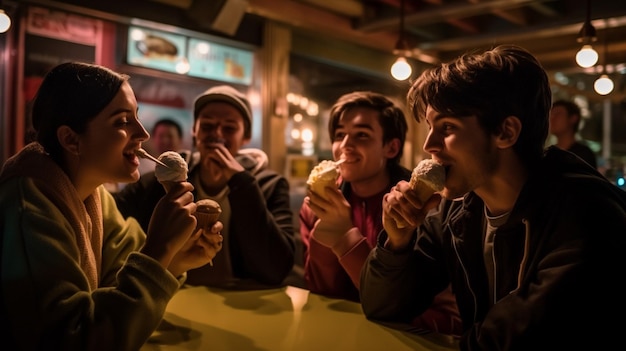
x: 49, y: 35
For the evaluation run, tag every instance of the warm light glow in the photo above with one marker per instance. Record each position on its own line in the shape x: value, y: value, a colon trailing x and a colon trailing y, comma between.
x: 401, y: 69
x: 137, y: 34
x: 307, y: 135
x: 203, y: 48
x: 586, y: 57
x: 603, y: 85
x: 5, y: 22
x: 312, y: 109
x: 182, y: 66
x: 299, y: 297
x: 295, y: 134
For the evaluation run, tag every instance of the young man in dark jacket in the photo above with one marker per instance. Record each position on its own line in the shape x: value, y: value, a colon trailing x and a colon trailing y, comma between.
x: 531, y: 240
x: 259, y: 244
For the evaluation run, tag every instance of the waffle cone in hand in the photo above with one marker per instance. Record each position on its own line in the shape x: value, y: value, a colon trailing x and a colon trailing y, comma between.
x: 207, y: 213
x: 423, y: 190
x: 427, y: 178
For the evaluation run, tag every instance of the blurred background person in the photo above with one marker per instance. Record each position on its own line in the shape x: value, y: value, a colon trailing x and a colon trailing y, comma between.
x: 565, y: 121
x: 166, y: 135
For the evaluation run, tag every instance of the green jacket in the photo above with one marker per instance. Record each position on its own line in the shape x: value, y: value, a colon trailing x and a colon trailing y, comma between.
x: 54, y: 248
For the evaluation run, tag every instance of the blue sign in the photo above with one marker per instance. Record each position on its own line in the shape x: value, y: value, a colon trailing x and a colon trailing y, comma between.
x: 219, y: 62
x: 155, y: 49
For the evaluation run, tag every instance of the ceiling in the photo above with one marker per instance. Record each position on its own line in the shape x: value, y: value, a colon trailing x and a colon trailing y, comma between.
x: 440, y: 30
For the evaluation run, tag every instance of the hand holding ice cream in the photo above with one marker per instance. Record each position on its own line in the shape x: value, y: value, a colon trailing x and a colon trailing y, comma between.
x: 428, y: 177
x: 207, y: 213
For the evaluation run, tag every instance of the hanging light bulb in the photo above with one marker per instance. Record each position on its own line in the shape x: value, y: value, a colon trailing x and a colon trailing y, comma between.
x: 5, y: 21
x: 401, y: 69
x: 603, y: 85
x: 587, y: 56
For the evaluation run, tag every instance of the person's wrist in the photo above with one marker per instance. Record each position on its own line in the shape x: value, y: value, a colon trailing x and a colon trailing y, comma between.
x: 157, y: 253
x: 398, y: 244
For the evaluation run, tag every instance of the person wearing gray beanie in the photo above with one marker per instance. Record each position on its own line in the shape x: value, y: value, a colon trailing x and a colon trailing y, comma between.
x: 228, y: 94
x: 259, y: 243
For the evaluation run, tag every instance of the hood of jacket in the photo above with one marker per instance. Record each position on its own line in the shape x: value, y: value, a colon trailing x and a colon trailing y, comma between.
x: 29, y: 162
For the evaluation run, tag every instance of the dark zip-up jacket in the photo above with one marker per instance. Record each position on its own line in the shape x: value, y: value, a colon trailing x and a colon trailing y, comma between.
x: 261, y: 234
x: 559, y: 262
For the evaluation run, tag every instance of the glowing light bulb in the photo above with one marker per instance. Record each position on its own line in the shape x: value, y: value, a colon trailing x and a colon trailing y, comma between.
x: 5, y: 22
x: 586, y: 57
x: 401, y: 69
x: 603, y: 85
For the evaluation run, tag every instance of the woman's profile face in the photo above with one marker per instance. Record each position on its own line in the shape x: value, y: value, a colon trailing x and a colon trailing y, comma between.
x: 107, y: 148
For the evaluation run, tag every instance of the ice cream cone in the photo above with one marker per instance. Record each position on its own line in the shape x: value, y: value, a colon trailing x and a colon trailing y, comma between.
x: 323, y: 175
x: 423, y: 191
x: 167, y: 185
x: 207, y: 213
x: 174, y: 171
x: 427, y: 178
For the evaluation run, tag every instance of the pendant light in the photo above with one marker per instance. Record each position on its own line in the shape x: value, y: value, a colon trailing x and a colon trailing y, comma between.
x: 401, y: 69
x: 604, y: 85
x: 587, y: 56
x: 5, y: 21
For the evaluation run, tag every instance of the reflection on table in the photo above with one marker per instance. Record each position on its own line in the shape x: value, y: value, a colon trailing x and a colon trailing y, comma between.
x: 201, y: 318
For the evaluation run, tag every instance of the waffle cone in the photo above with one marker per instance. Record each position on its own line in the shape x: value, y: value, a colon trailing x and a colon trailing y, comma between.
x: 319, y: 186
x: 423, y: 192
x: 207, y: 213
x: 167, y: 185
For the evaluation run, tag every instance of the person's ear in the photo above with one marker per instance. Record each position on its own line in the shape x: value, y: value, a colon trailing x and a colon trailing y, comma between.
x: 393, y: 148
x: 510, y: 130
x: 69, y: 140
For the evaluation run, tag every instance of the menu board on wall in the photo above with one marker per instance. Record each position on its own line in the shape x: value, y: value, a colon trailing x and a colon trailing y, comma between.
x: 219, y: 62
x: 156, y: 49
x: 180, y: 54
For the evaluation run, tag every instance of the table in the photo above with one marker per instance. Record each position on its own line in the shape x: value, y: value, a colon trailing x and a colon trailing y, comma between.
x: 288, y: 318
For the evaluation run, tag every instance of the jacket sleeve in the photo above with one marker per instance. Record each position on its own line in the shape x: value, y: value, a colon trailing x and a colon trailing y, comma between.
x: 261, y: 227
x: 332, y: 271
x: 46, y: 295
x: 399, y: 286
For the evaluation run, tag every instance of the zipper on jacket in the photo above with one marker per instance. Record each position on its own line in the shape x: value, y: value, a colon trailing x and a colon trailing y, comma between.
x: 495, y: 269
x: 467, y: 280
